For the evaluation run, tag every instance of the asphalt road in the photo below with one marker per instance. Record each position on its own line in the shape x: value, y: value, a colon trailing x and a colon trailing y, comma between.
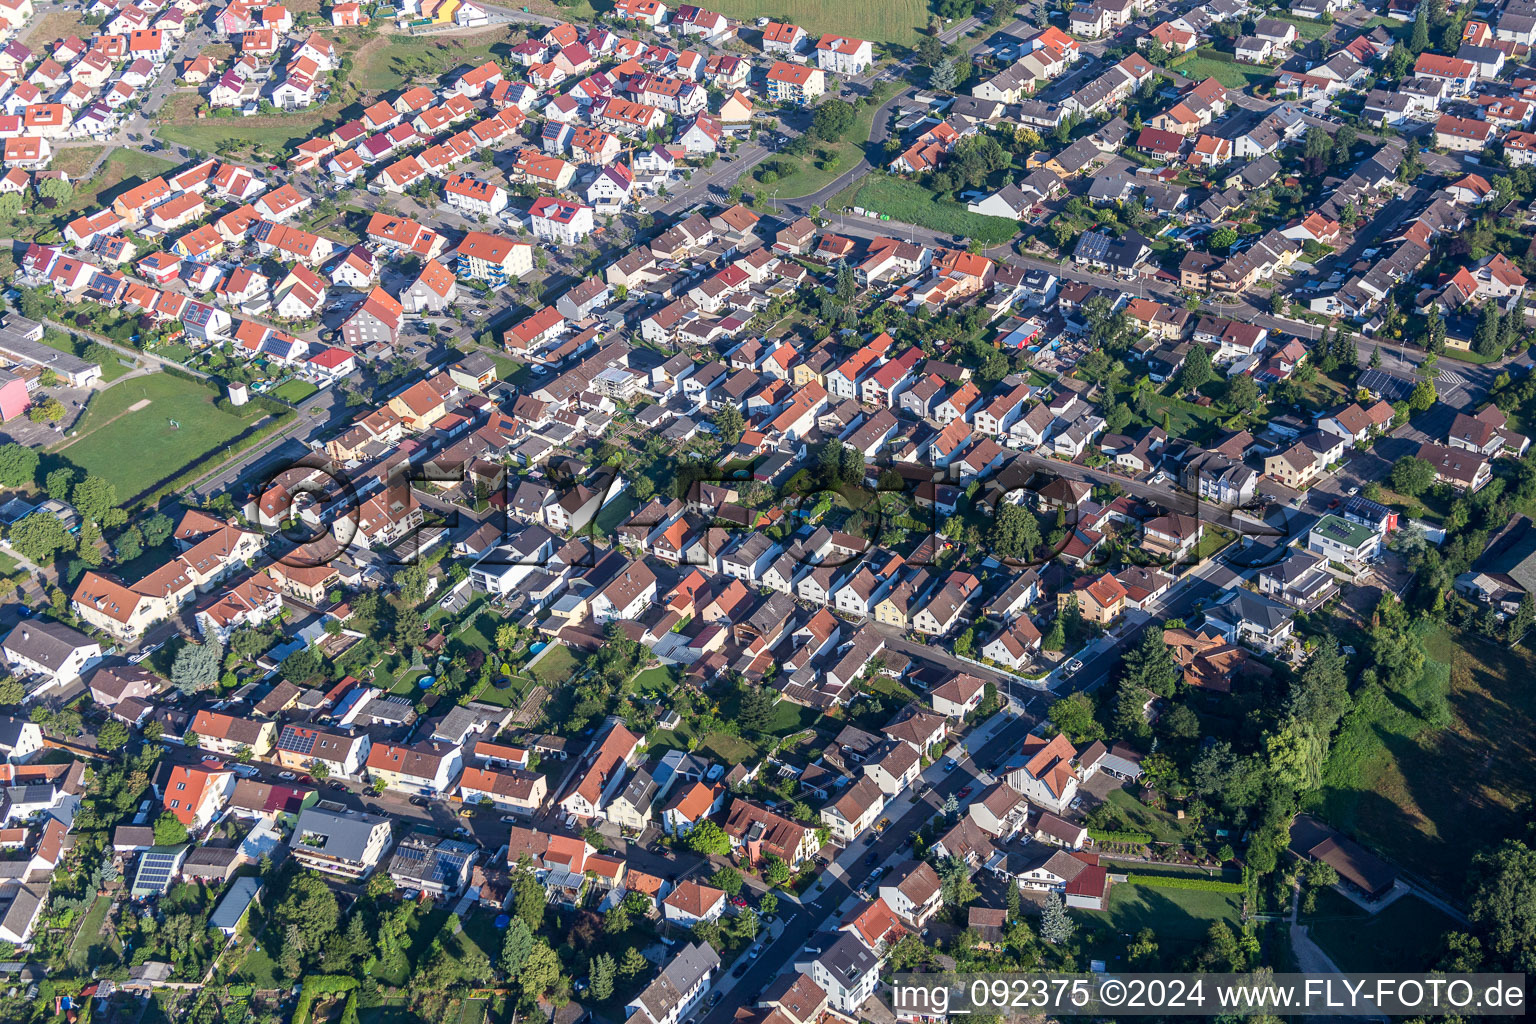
x: 843, y: 878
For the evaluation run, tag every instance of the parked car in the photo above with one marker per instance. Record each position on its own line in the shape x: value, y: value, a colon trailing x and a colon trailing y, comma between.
x: 287, y: 776
x: 418, y: 801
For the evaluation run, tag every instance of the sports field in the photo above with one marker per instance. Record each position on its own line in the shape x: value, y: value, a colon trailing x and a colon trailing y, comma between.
x: 127, y: 435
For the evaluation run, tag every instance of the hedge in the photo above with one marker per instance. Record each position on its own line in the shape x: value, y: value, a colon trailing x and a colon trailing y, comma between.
x: 1174, y: 882
x: 1099, y: 835
x: 316, y: 985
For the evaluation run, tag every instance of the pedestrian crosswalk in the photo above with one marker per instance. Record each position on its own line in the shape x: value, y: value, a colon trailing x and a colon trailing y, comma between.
x: 1451, y: 377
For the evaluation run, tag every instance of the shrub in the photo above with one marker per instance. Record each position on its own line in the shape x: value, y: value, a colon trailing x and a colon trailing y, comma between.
x: 1184, y: 882
x: 1112, y: 836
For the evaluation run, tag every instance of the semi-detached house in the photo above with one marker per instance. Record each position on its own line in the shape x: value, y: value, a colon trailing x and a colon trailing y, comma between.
x: 425, y: 768
x: 600, y: 778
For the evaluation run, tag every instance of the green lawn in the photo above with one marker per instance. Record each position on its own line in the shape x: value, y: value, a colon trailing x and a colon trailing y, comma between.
x: 89, y: 936
x: 1307, y: 28
x: 805, y: 177
x: 1209, y: 64
x: 556, y: 666
x: 880, y: 21
x: 401, y: 60
x: 1139, y: 817
x: 293, y: 391
x: 1407, y: 935
x: 656, y: 679
x: 908, y: 202
x: 273, y: 132
x: 1467, y: 356
x: 159, y: 450
x: 110, y: 370
x: 1413, y: 792
x: 1180, y: 917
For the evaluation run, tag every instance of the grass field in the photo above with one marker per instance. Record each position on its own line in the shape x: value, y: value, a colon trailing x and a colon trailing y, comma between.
x: 1415, y: 793
x: 806, y: 177
x: 108, y: 429
x: 74, y: 160
x: 1229, y: 74
x: 398, y: 60
x: 270, y: 133
x: 1407, y: 935
x: 881, y: 21
x: 56, y: 25
x: 1181, y: 917
x: 293, y: 391
x: 910, y: 203
x: 1307, y: 28
x: 1141, y: 818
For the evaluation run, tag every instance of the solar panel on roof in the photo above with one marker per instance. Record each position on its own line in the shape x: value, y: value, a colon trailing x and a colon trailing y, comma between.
x: 298, y: 741
x: 1388, y: 386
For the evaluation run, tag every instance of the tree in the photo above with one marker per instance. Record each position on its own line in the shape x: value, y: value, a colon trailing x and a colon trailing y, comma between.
x: 1055, y: 926
x: 156, y: 529
x: 775, y: 870
x: 38, y: 537
x: 1412, y: 476
x: 756, y: 708
x: 1487, y: 335
x: 1423, y: 397
x: 1503, y: 903
x: 1150, y: 664
x: 768, y: 904
x: 412, y: 581
x: 540, y: 971
x: 129, y: 545
x: 1056, y: 638
x: 955, y: 883
x: 1196, y: 370
x: 727, y: 880
x: 1520, y: 622
x: 1223, y: 238
x: 1418, y: 41
x: 528, y: 896
x: 1015, y: 532
x: 1073, y: 717
x: 112, y: 735
x: 18, y: 465
x: 95, y: 499
x: 729, y: 423
x: 169, y: 831
x: 1094, y: 366
x: 58, y: 483
x: 603, y: 970
x: 944, y: 75
x: 515, y: 947
x: 1434, y: 331
x: 633, y: 964
x: 196, y: 667
x: 12, y: 692
x: 709, y: 839
x: 832, y: 119
x: 1142, y: 951
x: 1242, y: 394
